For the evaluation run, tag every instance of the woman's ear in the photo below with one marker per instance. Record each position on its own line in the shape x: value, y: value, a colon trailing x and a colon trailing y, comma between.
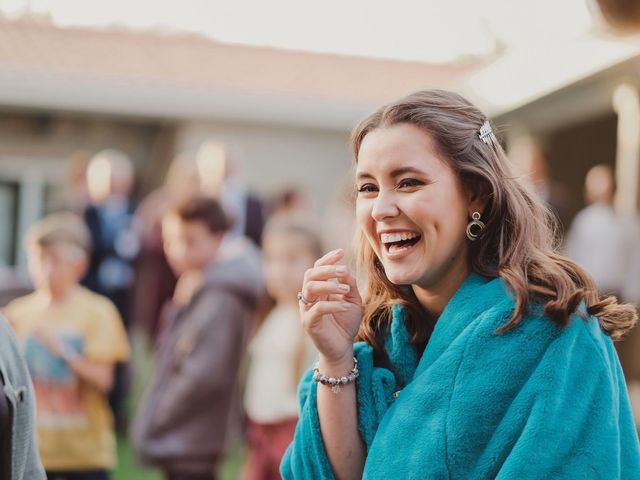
x: 477, y: 205
x: 477, y: 197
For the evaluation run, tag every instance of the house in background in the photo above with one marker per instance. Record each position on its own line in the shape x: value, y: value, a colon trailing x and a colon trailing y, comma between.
x: 153, y: 94
x: 593, y: 120
x: 65, y: 90
x: 579, y: 100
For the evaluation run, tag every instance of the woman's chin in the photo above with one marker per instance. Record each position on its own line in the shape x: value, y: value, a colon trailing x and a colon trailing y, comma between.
x: 402, y: 278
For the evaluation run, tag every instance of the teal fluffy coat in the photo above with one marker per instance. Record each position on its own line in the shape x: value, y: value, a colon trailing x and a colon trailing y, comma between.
x: 536, y: 402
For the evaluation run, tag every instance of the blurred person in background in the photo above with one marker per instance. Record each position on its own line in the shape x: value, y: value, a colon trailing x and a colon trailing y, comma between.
x: 290, y: 201
x: 75, y: 196
x: 115, y: 244
x: 109, y: 216
x: 182, y: 425
x: 78, y: 198
x: 156, y: 280
x: 603, y: 242
x: 72, y: 338
x: 213, y: 172
x: 280, y: 351
x: 19, y: 458
x: 220, y: 170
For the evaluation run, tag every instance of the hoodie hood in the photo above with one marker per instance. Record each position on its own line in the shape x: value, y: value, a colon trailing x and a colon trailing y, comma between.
x: 237, y: 268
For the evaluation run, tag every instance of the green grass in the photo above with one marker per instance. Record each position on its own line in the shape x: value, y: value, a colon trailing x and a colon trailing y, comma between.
x: 127, y: 468
x: 230, y: 467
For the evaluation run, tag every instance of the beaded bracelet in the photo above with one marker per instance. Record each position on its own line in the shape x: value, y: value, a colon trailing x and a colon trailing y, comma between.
x: 336, y: 382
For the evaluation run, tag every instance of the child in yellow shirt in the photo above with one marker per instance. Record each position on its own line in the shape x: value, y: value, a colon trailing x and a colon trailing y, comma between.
x: 72, y: 339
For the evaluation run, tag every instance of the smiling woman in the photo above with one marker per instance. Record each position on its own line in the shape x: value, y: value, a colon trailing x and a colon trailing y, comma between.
x: 412, y: 207
x: 477, y: 342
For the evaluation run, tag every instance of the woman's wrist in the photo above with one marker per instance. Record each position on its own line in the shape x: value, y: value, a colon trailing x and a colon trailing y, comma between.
x: 336, y: 367
x: 337, y: 382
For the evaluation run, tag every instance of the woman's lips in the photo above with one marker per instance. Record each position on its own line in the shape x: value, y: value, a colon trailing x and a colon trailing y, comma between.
x: 396, y: 251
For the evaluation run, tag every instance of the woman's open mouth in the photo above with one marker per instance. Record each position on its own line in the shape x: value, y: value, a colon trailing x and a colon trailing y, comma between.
x: 397, y: 244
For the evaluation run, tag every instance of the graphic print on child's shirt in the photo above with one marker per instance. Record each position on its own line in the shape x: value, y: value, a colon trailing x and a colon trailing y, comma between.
x: 60, y: 398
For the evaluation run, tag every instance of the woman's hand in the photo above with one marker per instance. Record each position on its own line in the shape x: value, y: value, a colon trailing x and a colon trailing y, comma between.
x: 333, y: 319
x: 332, y: 322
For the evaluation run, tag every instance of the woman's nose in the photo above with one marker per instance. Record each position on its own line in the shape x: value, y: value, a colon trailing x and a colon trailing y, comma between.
x: 385, y: 206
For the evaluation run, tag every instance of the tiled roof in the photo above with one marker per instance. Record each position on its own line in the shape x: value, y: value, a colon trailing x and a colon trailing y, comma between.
x: 33, y: 53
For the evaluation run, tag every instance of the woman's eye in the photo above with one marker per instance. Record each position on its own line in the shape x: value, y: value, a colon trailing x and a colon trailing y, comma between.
x: 410, y: 182
x: 367, y: 187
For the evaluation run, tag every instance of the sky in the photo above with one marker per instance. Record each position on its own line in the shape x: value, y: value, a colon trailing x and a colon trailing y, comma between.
x: 436, y: 31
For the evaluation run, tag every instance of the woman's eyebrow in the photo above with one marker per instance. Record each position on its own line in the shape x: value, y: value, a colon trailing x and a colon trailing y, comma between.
x: 394, y: 173
x: 364, y: 175
x: 404, y: 170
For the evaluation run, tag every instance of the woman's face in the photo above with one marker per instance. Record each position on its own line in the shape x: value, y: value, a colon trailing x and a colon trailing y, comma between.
x: 411, y: 207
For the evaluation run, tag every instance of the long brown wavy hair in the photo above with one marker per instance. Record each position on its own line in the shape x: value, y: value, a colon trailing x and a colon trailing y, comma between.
x: 518, y: 243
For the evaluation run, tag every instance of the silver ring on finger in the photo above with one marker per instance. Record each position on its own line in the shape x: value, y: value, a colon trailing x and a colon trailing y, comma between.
x: 302, y: 299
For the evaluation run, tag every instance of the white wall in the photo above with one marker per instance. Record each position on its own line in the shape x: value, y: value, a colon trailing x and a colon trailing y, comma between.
x: 318, y: 161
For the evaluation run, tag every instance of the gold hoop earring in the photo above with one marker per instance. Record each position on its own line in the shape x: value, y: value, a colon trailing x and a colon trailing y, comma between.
x: 475, y: 222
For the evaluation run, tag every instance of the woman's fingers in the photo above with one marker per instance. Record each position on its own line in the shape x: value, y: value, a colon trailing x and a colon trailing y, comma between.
x: 330, y: 258
x: 315, y: 289
x: 323, y: 307
x: 352, y: 294
x: 326, y: 279
x: 327, y: 272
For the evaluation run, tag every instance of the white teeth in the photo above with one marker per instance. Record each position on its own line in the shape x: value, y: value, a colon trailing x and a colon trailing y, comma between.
x: 396, y: 237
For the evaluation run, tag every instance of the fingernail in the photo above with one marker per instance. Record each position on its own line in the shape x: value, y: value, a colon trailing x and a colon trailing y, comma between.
x: 344, y: 287
x: 336, y: 251
x: 341, y: 269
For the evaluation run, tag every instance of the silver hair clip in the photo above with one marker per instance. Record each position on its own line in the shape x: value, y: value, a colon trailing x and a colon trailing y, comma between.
x: 486, y: 134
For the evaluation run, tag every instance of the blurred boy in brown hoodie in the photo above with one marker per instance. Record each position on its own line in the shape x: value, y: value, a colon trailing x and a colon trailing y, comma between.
x: 182, y: 425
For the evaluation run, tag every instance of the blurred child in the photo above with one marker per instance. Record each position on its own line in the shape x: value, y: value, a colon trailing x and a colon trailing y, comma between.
x: 182, y: 425
x: 280, y: 351
x: 72, y: 338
